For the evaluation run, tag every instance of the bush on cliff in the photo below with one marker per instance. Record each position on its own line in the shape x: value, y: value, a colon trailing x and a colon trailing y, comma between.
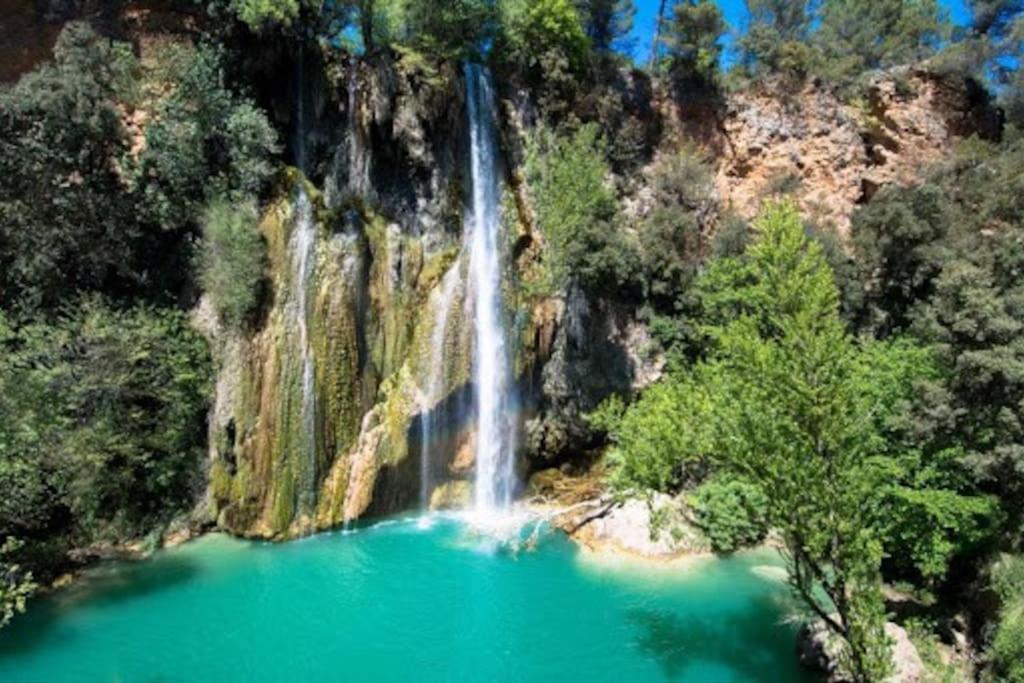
x: 578, y: 213
x: 232, y: 259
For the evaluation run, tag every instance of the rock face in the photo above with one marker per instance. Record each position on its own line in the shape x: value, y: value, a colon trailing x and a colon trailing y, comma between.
x: 371, y: 308
x: 832, y: 156
x: 818, y: 649
x: 630, y: 528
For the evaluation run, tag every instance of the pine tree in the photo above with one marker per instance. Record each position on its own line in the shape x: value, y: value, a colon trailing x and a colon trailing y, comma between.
x: 855, y: 37
x: 607, y: 22
x: 777, y: 39
x: 692, y: 39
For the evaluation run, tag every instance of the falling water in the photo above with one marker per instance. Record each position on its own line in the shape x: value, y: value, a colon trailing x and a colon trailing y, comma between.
x: 434, y: 390
x: 495, y: 475
x: 303, y: 257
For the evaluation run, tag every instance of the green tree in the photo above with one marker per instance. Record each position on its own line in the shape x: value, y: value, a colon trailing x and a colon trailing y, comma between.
x: 838, y: 433
x: 607, y: 22
x: 577, y: 212
x: 66, y: 219
x: 777, y: 38
x: 692, y: 38
x: 446, y: 29
x: 232, y: 259
x: 856, y: 37
x: 941, y: 260
x: 793, y: 414
x: 103, y: 421
x: 542, y: 44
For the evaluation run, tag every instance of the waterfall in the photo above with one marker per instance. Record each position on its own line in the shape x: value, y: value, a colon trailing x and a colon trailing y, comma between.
x: 435, y: 387
x: 303, y: 262
x: 495, y: 462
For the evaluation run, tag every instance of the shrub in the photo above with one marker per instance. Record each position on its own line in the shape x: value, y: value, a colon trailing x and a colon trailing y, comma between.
x: 1006, y: 652
x: 204, y: 142
x: 260, y: 14
x: 446, y: 29
x: 232, y: 259
x: 577, y: 212
x: 673, y: 235
x: 730, y: 512
x: 16, y: 585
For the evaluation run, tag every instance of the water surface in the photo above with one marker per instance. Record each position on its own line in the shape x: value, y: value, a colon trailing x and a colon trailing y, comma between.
x: 399, y: 602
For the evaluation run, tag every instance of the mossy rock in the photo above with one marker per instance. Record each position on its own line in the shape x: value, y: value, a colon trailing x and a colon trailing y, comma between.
x: 451, y: 495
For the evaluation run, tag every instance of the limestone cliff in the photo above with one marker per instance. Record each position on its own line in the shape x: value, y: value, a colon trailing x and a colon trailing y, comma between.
x: 384, y: 241
x: 830, y: 155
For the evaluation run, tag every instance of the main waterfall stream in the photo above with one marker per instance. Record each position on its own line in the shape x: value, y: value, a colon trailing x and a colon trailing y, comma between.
x: 495, y: 458
x: 404, y: 601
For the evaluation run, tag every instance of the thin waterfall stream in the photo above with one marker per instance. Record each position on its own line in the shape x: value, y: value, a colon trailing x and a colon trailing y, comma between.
x: 495, y: 461
x: 303, y: 262
x: 433, y: 392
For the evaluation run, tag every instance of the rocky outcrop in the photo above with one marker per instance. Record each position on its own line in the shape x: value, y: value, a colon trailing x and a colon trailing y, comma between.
x: 584, y: 350
x: 829, y: 155
x: 819, y: 649
x: 652, y: 529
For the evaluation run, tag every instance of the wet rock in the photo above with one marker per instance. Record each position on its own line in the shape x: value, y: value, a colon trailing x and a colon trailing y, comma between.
x: 451, y: 495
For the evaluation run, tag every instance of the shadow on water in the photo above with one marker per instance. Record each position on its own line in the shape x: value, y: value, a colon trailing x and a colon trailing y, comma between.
x: 746, y: 641
x: 103, y: 586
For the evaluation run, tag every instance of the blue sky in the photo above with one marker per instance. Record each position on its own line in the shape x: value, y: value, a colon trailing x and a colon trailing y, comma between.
x: 736, y: 16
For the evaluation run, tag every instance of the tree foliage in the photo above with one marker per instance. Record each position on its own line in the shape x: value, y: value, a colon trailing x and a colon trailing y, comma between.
x: 731, y: 512
x: 826, y: 426
x: 204, y: 142
x: 543, y: 44
x: 233, y: 259
x: 1006, y: 650
x: 777, y: 38
x: 941, y: 261
x: 16, y: 585
x: 577, y: 210
x: 66, y: 219
x: 857, y: 37
x: 84, y: 206
x: 693, y: 38
x: 607, y: 23
x: 102, y: 422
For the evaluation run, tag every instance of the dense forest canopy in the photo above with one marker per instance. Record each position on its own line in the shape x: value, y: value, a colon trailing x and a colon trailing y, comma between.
x: 859, y: 396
